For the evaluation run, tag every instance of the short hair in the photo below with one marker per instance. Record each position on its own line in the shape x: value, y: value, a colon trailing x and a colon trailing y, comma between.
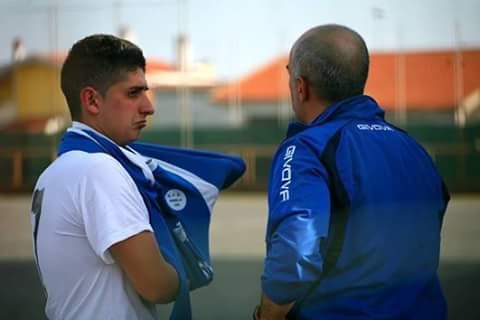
x: 333, y: 59
x: 98, y: 61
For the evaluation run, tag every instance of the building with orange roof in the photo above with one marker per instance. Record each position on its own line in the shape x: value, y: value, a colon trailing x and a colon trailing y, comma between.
x: 408, y: 85
x: 31, y: 98
x: 30, y: 93
x: 412, y: 83
x: 435, y: 80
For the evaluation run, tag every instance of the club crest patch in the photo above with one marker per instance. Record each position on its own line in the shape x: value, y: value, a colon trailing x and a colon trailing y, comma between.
x: 176, y: 199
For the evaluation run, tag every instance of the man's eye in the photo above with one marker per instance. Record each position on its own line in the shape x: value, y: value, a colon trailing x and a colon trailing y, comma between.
x: 134, y: 93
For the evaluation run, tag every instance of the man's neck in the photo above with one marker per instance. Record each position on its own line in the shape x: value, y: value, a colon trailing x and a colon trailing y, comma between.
x: 85, y: 126
x: 315, y: 109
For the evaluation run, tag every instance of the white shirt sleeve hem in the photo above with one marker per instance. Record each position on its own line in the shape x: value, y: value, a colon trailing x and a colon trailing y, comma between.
x: 113, y: 238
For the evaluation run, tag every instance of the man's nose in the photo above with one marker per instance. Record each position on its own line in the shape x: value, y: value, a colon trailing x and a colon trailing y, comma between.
x: 147, y: 106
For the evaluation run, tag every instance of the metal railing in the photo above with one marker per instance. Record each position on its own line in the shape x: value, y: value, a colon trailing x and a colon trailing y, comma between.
x: 18, y: 163
x: 15, y: 159
x: 14, y: 170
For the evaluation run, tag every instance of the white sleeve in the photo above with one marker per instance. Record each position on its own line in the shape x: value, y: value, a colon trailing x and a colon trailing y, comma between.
x: 111, y: 206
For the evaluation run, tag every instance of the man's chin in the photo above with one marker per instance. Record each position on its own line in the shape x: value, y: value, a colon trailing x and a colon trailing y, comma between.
x: 128, y: 140
x: 134, y: 137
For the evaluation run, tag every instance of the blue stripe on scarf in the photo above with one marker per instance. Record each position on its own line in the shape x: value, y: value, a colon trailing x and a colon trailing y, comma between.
x: 181, y: 234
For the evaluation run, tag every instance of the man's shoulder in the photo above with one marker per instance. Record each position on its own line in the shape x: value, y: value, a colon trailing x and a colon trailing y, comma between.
x: 314, y: 138
x: 74, y: 165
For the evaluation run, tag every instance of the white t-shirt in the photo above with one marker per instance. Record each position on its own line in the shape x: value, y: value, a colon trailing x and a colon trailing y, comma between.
x: 89, y: 203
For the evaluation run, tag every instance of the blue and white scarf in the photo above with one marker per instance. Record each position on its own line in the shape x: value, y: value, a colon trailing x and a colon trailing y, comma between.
x: 179, y: 188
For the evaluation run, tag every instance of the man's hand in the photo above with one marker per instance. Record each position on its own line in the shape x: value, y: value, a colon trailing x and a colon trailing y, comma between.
x: 269, y: 310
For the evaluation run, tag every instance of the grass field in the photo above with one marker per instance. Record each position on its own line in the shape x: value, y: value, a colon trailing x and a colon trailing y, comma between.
x: 237, y: 246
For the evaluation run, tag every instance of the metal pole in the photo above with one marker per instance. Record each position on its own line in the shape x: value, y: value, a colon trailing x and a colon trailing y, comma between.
x: 458, y: 77
x: 183, y: 91
x: 400, y: 81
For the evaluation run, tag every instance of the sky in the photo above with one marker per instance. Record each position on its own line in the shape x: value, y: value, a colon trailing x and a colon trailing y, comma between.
x: 237, y: 36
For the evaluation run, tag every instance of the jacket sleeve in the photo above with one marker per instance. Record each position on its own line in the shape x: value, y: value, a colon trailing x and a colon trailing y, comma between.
x: 299, y: 215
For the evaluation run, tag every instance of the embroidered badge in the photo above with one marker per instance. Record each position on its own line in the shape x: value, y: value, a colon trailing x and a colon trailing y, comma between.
x: 176, y: 199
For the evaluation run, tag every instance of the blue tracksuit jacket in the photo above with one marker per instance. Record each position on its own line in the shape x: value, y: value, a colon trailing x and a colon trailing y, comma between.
x: 355, y: 213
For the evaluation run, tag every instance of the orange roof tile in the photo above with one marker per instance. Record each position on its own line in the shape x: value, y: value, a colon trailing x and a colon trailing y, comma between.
x: 268, y: 83
x: 423, y: 80
x: 155, y: 65
x: 57, y: 58
x: 32, y: 125
x: 420, y: 80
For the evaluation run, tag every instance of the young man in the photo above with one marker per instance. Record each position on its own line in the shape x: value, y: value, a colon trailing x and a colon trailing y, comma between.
x: 355, y: 204
x: 94, y: 246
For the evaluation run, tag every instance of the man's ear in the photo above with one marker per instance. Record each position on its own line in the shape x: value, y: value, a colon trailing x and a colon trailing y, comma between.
x: 89, y: 98
x: 303, y: 89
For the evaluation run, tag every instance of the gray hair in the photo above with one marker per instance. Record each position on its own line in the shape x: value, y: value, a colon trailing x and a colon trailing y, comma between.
x: 334, y: 61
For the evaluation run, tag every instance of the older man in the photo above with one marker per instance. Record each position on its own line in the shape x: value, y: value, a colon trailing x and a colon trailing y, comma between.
x: 355, y: 204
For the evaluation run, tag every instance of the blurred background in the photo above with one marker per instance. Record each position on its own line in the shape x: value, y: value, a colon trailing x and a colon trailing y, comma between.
x: 217, y: 75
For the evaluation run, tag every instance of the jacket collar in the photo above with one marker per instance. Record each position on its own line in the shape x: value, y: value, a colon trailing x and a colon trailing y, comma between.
x: 357, y: 107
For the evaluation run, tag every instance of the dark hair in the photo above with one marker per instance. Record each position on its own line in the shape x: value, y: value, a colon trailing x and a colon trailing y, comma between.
x: 98, y: 61
x: 333, y: 59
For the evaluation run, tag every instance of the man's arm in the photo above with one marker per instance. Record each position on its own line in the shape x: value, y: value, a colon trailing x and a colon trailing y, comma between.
x: 118, y: 229
x: 299, y: 216
x: 151, y: 276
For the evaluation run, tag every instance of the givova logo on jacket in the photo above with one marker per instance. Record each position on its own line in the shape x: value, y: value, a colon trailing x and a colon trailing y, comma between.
x: 373, y: 127
x: 287, y: 173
